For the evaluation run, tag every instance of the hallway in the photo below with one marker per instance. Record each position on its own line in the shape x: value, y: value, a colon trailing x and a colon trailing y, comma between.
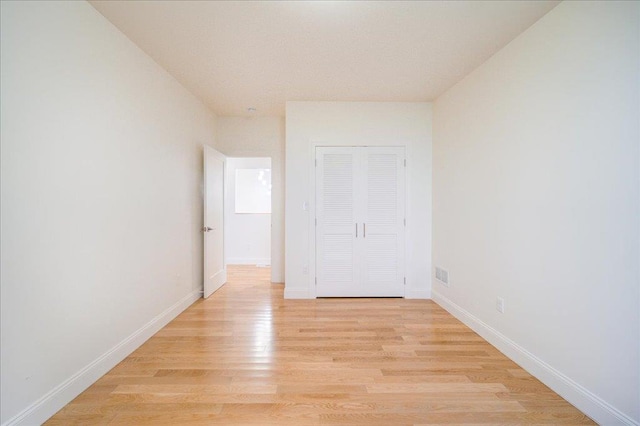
x: 247, y: 356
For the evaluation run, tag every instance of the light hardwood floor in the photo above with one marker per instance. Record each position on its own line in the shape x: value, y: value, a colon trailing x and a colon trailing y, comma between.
x: 247, y: 356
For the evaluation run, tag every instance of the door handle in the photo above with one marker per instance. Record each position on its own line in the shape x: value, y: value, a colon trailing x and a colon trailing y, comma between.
x: 356, y: 230
x: 207, y: 229
x: 364, y: 230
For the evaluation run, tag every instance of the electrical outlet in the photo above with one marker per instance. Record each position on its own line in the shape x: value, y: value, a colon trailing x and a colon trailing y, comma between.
x: 305, y: 269
x: 442, y: 276
x: 500, y: 305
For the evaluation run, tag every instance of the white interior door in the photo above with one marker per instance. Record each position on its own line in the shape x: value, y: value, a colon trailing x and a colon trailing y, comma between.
x: 215, y: 273
x: 336, y: 227
x: 360, y: 214
x: 383, y: 217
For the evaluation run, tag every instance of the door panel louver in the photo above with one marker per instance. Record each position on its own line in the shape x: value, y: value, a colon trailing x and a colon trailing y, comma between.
x: 337, y: 259
x: 382, y: 189
x: 338, y: 183
x: 382, y: 258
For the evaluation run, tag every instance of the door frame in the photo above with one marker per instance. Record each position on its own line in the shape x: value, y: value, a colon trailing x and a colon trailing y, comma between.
x: 311, y: 208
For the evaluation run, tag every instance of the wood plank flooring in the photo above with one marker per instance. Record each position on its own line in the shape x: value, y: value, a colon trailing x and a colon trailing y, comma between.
x: 246, y: 356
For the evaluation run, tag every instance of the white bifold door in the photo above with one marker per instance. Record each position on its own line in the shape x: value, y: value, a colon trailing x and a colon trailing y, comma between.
x: 360, y: 221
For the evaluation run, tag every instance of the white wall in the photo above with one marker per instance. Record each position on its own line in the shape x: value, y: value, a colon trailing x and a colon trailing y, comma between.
x: 247, y: 237
x: 260, y: 137
x: 101, y: 203
x: 536, y: 200
x: 360, y: 124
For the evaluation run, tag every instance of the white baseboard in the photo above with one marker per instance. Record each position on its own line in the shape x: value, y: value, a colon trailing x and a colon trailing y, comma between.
x: 415, y: 293
x: 296, y: 293
x: 50, y: 403
x: 248, y: 261
x: 593, y: 406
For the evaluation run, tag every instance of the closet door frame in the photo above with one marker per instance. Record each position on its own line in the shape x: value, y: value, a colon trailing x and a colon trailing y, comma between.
x: 311, y: 207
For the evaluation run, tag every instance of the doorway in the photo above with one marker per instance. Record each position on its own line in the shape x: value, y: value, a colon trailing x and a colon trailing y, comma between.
x: 248, y: 211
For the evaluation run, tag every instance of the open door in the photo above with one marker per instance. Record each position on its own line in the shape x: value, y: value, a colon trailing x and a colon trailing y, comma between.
x: 215, y: 272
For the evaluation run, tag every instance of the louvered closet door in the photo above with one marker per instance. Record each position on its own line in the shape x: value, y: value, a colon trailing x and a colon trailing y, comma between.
x: 336, y: 181
x: 360, y: 222
x: 382, y: 259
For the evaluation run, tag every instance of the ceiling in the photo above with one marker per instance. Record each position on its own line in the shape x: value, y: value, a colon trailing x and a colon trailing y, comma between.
x: 235, y: 55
